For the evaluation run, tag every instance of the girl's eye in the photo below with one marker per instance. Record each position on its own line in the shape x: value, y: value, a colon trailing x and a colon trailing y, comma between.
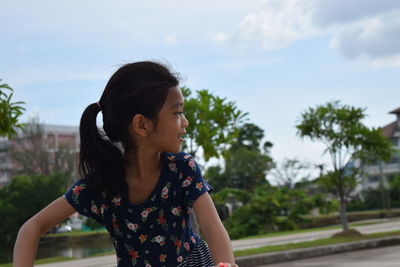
x: 179, y: 113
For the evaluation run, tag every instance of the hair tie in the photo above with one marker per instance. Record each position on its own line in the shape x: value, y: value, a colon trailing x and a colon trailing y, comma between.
x: 98, y: 104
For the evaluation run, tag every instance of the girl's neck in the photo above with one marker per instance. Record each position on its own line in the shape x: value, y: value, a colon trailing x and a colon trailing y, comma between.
x: 142, y: 165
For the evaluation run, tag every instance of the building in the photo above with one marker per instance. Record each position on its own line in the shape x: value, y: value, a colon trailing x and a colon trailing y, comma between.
x: 52, y: 137
x: 381, y: 172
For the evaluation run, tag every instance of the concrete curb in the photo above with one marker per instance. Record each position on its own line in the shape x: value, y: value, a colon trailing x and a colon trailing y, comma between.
x: 297, y: 254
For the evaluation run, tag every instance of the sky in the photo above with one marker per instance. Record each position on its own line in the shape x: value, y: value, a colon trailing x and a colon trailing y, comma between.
x: 274, y: 58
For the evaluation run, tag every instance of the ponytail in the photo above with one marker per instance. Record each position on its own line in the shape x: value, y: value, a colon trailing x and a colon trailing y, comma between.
x: 135, y: 88
x: 100, y: 161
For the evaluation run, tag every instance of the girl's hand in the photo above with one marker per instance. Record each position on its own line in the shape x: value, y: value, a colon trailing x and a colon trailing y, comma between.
x: 225, y: 264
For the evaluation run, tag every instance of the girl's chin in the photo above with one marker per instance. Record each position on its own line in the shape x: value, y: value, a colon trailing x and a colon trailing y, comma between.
x: 174, y: 150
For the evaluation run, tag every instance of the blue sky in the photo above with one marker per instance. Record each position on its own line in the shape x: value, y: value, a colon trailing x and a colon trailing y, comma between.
x: 275, y: 58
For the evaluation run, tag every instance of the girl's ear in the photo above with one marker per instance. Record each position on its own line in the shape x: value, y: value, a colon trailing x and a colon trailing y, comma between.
x: 141, y: 125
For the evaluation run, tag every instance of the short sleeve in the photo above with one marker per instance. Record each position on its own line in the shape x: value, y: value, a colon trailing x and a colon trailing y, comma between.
x: 81, y: 199
x: 193, y: 184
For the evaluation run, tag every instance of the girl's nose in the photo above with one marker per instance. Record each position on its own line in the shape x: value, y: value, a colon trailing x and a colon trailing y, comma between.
x: 185, y: 122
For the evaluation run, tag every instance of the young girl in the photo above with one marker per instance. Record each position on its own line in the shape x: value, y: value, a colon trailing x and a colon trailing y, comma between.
x: 135, y: 182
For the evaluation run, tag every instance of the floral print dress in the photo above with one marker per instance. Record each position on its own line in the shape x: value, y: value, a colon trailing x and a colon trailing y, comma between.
x: 158, y: 231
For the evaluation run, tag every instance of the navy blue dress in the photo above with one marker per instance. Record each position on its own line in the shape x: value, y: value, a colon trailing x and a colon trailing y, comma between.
x: 158, y: 231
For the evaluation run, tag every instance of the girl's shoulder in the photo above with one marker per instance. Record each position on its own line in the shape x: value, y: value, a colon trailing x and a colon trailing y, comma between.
x: 85, y: 189
x: 86, y: 199
x: 178, y: 157
x: 181, y: 161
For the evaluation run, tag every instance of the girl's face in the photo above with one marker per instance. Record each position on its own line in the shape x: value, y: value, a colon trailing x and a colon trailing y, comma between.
x: 171, y: 123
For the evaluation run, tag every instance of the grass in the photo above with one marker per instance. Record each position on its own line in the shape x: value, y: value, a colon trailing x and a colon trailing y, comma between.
x: 105, y: 253
x: 78, y: 233
x: 305, y: 230
x: 308, y: 244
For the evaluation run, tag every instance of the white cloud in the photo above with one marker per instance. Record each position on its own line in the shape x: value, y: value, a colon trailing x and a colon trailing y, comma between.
x: 359, y: 29
x: 31, y: 76
x: 219, y: 37
x: 170, y: 40
x: 276, y: 25
x: 391, y: 61
x: 345, y: 11
x: 120, y: 21
x: 248, y: 63
x: 376, y: 38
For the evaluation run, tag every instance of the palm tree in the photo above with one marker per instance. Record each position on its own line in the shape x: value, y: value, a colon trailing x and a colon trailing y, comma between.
x: 9, y: 112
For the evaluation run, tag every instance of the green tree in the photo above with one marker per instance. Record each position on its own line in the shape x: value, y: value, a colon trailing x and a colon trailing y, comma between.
x: 257, y: 217
x: 22, y: 198
x: 217, y: 178
x: 231, y: 195
x: 246, y: 169
x: 395, y: 184
x: 213, y: 123
x: 321, y: 197
x: 229, y: 199
x: 246, y: 164
x: 339, y: 127
x: 250, y: 137
x: 294, y: 203
x: 10, y: 112
x: 270, y: 209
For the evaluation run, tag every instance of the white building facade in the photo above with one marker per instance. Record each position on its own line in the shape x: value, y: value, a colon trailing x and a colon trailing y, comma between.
x: 52, y: 137
x: 381, y: 173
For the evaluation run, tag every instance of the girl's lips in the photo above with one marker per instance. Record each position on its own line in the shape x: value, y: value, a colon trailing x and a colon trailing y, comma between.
x: 180, y: 137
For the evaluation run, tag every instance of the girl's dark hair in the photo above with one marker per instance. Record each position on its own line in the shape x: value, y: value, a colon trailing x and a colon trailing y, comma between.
x: 136, y: 88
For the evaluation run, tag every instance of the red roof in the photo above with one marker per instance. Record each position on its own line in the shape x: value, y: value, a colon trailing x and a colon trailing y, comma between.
x: 389, y: 130
x: 396, y: 111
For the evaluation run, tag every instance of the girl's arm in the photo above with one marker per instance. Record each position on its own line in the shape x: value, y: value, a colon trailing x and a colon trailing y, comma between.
x: 29, y: 234
x: 213, y: 230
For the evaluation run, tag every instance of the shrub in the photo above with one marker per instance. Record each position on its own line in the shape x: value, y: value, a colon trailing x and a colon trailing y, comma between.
x: 22, y: 198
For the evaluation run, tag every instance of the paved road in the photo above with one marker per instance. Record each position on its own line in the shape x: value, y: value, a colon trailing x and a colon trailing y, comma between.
x: 386, y: 226
x: 382, y: 257
x: 390, y: 225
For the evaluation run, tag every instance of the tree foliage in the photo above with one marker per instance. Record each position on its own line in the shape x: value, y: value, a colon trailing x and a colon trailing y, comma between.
x: 217, y: 178
x: 23, y: 197
x: 246, y: 169
x: 395, y: 187
x: 246, y: 164
x: 339, y: 127
x: 213, y: 123
x: 229, y: 199
x: 231, y: 195
x: 256, y: 217
x: 10, y: 112
x: 395, y: 182
x: 270, y: 209
x: 250, y: 137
